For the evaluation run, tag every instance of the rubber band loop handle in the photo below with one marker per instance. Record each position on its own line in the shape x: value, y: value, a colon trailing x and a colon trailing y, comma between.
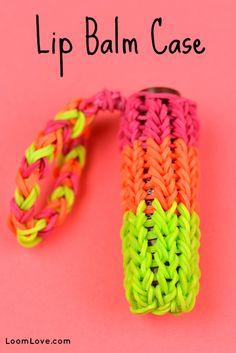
x: 62, y: 144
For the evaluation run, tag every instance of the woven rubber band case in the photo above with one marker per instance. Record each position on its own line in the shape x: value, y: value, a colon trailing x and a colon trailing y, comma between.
x: 159, y: 177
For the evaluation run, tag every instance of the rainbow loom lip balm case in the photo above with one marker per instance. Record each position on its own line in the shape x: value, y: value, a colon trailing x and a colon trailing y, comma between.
x: 159, y: 170
x: 159, y: 175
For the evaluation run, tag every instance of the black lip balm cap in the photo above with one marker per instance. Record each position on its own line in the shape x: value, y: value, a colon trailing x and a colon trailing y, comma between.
x: 162, y: 90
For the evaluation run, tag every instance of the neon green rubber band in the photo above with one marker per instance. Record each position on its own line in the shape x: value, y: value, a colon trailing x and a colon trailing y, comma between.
x: 33, y: 155
x: 26, y: 204
x: 64, y: 191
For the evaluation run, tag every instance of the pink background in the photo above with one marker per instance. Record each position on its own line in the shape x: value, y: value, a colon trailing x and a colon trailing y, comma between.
x: 72, y: 285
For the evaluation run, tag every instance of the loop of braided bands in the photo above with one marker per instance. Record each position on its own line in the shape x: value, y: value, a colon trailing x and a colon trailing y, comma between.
x: 162, y: 275
x: 168, y: 172
x: 62, y: 142
x: 157, y: 116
